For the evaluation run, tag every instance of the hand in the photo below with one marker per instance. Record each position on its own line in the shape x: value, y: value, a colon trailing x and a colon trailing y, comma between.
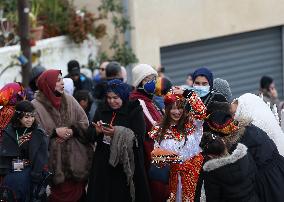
x: 109, y: 131
x: 98, y: 126
x: 177, y: 90
x: 64, y: 133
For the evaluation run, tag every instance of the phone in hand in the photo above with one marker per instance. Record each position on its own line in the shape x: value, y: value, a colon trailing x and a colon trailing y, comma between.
x: 106, y: 125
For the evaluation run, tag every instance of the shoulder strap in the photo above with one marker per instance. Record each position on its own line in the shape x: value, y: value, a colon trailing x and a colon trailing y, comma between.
x: 146, y: 112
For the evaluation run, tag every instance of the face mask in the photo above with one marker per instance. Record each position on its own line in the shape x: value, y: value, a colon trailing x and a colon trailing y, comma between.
x: 150, y: 87
x: 202, y: 91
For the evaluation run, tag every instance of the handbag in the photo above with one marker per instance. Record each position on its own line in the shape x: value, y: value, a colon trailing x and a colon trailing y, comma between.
x: 159, y: 173
x: 70, y: 160
x: 80, y: 159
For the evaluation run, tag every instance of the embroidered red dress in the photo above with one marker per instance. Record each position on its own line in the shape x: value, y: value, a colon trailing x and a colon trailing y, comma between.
x: 184, y: 175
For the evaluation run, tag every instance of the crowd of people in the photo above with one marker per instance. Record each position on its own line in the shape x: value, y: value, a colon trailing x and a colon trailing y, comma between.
x: 81, y: 139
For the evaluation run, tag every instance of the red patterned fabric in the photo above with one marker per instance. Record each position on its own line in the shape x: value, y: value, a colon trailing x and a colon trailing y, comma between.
x: 198, y: 108
x: 10, y: 95
x: 171, y: 98
x: 189, y: 172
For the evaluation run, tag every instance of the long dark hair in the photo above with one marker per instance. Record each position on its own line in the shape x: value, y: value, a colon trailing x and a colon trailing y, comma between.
x: 212, y: 144
x: 21, y: 108
x: 166, y: 122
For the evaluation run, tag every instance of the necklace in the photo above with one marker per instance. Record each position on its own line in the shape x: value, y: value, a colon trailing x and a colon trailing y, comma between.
x: 24, y: 137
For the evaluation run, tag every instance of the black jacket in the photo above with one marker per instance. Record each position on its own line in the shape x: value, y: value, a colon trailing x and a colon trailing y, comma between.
x: 231, y: 178
x: 107, y: 183
x: 38, y: 151
x: 259, y: 145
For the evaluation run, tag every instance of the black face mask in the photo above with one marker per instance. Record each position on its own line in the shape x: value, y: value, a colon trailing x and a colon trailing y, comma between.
x: 57, y: 94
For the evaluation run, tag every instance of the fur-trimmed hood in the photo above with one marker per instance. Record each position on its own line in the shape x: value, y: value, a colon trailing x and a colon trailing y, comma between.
x: 238, y: 153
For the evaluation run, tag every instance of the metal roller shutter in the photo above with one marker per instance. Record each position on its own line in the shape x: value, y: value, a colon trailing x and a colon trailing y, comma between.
x: 240, y: 59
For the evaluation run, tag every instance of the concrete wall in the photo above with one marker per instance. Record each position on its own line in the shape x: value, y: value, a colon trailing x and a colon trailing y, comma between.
x: 55, y: 54
x: 167, y: 22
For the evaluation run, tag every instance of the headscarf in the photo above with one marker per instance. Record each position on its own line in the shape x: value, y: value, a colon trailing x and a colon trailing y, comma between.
x: 203, y: 72
x: 68, y: 86
x: 119, y: 88
x: 46, y: 84
x: 10, y: 95
x: 252, y: 109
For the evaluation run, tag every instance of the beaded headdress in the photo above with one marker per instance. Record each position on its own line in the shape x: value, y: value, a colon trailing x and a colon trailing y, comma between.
x: 171, y: 98
x: 222, y: 122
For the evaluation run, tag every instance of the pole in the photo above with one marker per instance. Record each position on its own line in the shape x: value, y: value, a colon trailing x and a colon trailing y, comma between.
x: 24, y: 30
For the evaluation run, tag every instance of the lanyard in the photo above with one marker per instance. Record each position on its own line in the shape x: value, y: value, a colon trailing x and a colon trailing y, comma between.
x: 22, y: 134
x: 112, y: 118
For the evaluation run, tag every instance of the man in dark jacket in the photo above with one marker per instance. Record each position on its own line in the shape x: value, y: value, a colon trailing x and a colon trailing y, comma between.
x: 112, y: 71
x: 81, y: 81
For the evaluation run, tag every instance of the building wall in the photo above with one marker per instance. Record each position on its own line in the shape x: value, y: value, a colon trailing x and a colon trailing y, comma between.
x: 161, y: 23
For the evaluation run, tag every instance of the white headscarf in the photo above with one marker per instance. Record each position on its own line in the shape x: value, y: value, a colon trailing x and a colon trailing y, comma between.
x: 252, y: 109
x: 68, y: 86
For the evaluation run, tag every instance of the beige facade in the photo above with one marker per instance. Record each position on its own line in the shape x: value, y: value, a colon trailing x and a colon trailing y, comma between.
x: 161, y: 23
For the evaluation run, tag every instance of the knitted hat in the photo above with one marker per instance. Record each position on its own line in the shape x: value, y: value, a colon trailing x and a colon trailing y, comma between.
x: 223, y: 87
x: 139, y: 72
x: 36, y: 71
x: 204, y: 72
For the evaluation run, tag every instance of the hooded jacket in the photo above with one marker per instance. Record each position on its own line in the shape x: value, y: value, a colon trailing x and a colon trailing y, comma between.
x: 231, y: 178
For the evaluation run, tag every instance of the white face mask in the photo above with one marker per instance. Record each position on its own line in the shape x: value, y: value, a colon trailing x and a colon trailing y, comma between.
x: 202, y: 91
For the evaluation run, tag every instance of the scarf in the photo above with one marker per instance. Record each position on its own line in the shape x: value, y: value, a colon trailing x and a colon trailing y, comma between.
x: 46, y: 84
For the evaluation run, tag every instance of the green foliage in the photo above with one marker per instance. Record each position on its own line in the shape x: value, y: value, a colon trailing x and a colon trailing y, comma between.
x: 125, y: 55
x: 55, y: 15
x: 122, y: 52
x: 10, y: 9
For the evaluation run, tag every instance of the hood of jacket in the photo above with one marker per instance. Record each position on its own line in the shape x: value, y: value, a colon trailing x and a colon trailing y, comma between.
x: 237, y: 154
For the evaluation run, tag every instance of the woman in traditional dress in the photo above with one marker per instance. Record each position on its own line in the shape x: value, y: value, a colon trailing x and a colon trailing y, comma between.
x: 180, y: 132
x: 23, y: 155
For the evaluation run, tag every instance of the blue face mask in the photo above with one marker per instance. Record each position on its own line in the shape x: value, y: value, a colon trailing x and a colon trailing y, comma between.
x: 150, y: 87
x: 202, y: 91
